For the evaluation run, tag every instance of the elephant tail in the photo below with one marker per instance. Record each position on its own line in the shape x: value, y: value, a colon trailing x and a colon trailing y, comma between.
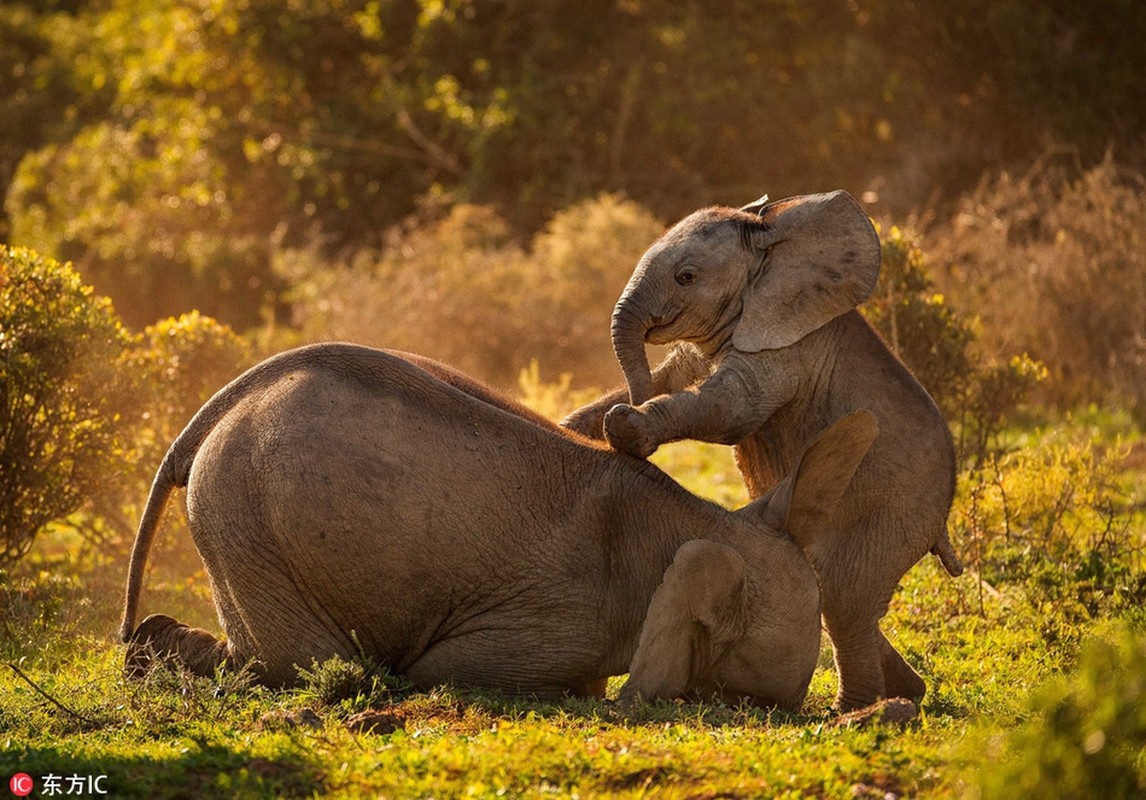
x: 173, y: 473
x: 166, y: 480
x: 946, y: 554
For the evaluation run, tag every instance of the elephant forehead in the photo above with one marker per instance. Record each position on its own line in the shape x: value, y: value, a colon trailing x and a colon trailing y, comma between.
x: 660, y: 250
x: 705, y: 225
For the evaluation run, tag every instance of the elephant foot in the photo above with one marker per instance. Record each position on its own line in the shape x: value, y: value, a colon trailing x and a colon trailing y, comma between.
x: 861, y: 685
x: 859, y: 669
x: 871, y: 669
x: 852, y: 701
x: 161, y: 639
x: 627, y: 431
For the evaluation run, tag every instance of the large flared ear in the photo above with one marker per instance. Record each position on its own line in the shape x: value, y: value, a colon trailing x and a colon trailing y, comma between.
x: 803, y: 503
x: 699, y: 608
x: 822, y: 260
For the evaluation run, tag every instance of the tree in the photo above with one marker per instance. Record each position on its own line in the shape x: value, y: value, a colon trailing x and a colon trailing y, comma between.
x: 169, y: 147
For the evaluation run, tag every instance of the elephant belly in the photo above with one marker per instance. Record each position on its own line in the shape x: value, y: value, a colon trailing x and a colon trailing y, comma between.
x: 414, y: 593
x: 502, y: 663
x: 766, y: 456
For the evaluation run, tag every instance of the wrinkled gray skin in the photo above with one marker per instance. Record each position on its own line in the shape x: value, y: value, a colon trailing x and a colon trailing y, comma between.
x: 765, y: 296
x: 346, y: 501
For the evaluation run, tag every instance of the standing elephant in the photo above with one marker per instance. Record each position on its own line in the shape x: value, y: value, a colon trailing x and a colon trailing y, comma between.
x: 766, y: 297
x: 347, y: 501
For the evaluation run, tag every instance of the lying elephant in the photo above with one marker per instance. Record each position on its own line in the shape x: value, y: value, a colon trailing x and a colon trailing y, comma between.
x: 347, y: 501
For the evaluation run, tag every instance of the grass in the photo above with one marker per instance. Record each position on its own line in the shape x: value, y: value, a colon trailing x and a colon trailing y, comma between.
x: 1003, y: 663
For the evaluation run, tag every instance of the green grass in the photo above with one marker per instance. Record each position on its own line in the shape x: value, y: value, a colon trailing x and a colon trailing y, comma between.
x: 1006, y: 664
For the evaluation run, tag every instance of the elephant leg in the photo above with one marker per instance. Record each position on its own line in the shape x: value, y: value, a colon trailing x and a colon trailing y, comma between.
x: 900, y: 680
x: 868, y: 665
x: 724, y: 409
x: 682, y: 367
x: 858, y: 660
x: 159, y: 638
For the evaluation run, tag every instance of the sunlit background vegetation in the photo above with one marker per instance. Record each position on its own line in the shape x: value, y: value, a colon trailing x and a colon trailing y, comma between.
x: 191, y: 185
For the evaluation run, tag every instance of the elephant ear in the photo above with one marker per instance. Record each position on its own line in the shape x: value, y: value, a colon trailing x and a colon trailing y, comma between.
x: 756, y: 205
x: 823, y: 260
x: 803, y: 503
x: 699, y: 608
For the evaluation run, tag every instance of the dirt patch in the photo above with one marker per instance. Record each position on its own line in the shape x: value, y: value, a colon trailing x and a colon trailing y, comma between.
x: 896, y: 711
x: 283, y: 720
x: 379, y: 723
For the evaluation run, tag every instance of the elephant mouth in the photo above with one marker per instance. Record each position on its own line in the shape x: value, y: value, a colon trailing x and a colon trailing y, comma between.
x: 662, y: 333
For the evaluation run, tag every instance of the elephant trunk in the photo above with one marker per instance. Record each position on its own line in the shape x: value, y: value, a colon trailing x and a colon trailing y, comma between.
x: 628, y: 331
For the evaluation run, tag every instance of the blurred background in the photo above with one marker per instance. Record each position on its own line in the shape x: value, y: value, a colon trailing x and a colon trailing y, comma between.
x: 475, y: 181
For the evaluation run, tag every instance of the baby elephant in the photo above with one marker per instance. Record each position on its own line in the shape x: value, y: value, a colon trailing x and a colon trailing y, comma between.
x: 765, y: 299
x: 348, y: 501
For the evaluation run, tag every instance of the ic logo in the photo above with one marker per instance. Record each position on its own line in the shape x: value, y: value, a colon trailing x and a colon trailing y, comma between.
x: 21, y: 784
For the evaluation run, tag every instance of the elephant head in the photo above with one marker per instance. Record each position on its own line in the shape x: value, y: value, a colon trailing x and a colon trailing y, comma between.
x: 757, y: 278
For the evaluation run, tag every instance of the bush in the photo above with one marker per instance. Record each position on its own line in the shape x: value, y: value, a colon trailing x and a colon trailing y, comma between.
x: 917, y: 323
x: 554, y: 400
x: 356, y: 684
x: 1054, y: 262
x: 1088, y: 734
x: 89, y: 409
x: 940, y: 346
x: 579, y: 265
x: 174, y: 367
x: 453, y: 290
x: 1051, y: 520
x: 464, y: 291
x: 61, y: 433
x: 181, y: 362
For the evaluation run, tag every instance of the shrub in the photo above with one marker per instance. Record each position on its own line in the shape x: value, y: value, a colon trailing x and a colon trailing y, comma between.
x: 917, y: 323
x: 89, y: 409
x: 181, y: 362
x: 995, y: 392
x: 1088, y: 734
x: 452, y: 289
x: 464, y: 291
x: 552, y: 400
x: 1053, y: 260
x: 940, y: 346
x: 579, y: 265
x: 1051, y: 520
x: 357, y: 684
x: 61, y: 435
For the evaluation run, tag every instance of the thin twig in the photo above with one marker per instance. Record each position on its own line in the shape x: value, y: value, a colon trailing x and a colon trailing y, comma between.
x: 39, y: 689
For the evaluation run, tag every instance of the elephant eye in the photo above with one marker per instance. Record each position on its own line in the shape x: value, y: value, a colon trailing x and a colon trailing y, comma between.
x: 686, y: 276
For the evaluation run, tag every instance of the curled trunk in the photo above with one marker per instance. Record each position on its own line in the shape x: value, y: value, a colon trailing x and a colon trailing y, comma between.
x: 628, y: 332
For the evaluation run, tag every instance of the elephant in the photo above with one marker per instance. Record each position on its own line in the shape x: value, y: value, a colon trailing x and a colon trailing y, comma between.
x: 351, y: 502
x: 769, y: 348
